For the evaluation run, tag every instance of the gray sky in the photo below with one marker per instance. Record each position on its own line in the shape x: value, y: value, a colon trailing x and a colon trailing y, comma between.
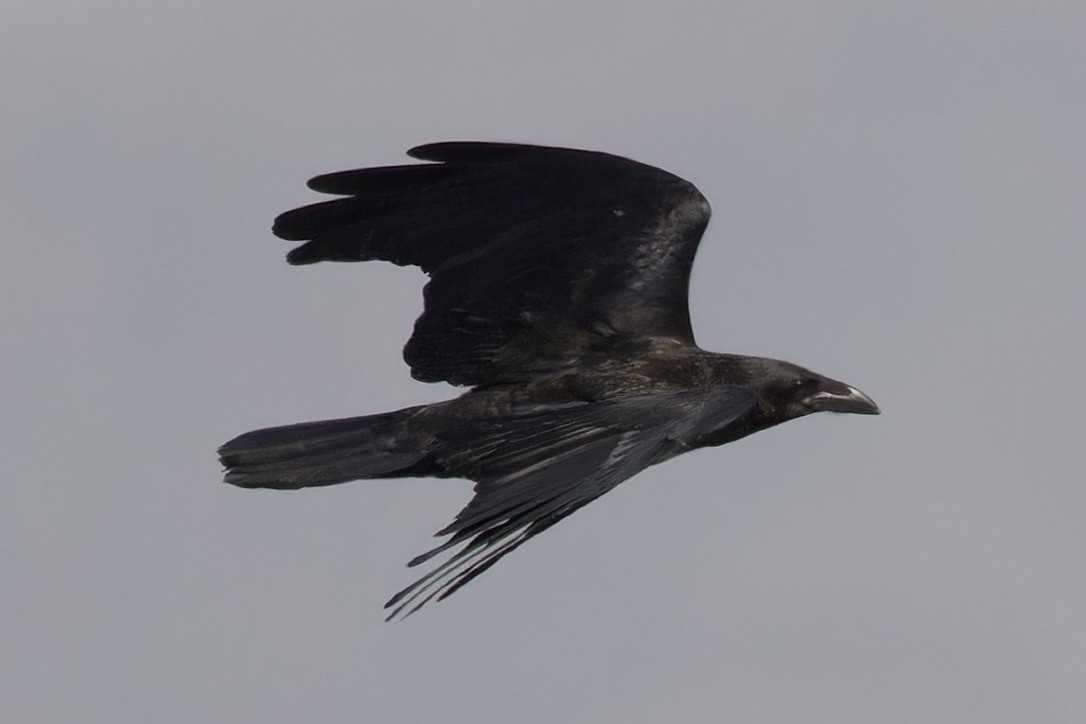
x: 898, y: 196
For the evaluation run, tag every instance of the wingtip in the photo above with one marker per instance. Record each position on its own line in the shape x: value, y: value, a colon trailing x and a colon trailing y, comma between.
x: 478, y: 151
x: 302, y: 255
x: 437, y: 151
x: 320, y: 182
x: 459, y: 151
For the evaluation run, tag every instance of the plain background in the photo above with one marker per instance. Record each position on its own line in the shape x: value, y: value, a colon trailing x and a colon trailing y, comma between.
x: 899, y: 203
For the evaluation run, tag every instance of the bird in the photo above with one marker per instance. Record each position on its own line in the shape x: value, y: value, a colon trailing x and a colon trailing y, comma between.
x: 558, y: 295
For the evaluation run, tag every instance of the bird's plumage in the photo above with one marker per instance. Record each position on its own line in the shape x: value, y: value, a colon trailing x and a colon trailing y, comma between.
x: 558, y: 291
x: 536, y: 256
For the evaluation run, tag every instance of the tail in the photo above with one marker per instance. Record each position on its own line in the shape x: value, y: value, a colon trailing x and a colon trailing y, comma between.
x: 326, y: 452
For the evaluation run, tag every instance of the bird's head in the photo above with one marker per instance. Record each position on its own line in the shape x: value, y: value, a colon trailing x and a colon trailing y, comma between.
x: 786, y: 391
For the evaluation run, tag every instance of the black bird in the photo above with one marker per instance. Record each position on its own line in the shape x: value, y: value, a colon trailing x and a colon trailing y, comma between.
x: 558, y: 293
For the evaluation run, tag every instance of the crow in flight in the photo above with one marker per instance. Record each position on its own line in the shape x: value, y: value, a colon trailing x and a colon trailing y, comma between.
x: 558, y: 294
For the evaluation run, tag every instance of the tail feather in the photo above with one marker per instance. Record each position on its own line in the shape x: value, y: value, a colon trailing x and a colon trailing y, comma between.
x: 324, y: 453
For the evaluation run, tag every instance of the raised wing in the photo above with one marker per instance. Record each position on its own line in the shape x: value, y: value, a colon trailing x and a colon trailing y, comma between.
x: 537, y: 256
x: 533, y: 469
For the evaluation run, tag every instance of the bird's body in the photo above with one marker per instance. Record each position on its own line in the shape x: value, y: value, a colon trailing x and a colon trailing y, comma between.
x: 558, y: 292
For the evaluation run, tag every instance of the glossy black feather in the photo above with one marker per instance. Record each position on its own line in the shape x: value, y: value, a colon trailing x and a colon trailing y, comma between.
x: 558, y: 290
x: 536, y: 256
x: 535, y: 468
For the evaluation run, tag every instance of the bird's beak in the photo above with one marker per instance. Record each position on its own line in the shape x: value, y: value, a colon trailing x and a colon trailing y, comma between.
x: 839, y: 397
